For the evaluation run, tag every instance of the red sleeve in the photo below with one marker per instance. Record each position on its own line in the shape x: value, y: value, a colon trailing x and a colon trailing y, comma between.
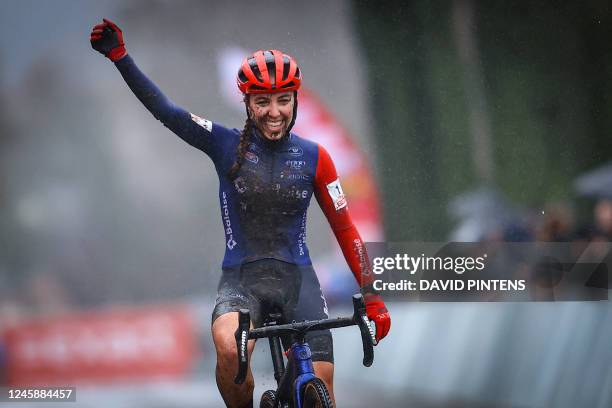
x: 333, y: 203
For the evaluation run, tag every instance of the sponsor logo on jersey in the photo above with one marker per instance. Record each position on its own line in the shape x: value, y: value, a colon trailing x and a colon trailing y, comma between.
x: 230, y: 294
x: 227, y: 223
x: 302, y: 194
x: 296, y: 151
x: 363, y: 260
x: 337, y: 195
x: 302, y: 236
x: 240, y: 185
x: 296, y: 164
x: 297, y: 176
x: 205, y: 123
x: 252, y: 157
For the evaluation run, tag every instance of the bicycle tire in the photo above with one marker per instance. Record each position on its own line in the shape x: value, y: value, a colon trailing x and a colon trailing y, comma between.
x: 268, y: 400
x: 315, y: 395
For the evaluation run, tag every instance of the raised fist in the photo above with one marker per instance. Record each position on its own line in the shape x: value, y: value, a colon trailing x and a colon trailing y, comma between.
x: 107, y: 39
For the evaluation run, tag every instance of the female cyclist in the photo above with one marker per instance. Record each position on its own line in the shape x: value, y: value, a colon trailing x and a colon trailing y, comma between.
x: 267, y: 176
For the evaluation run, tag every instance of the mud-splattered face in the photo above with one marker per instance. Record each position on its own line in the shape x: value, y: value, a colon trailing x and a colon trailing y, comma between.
x: 272, y: 113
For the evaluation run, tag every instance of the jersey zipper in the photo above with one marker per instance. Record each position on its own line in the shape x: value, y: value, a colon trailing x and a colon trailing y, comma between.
x: 272, y: 181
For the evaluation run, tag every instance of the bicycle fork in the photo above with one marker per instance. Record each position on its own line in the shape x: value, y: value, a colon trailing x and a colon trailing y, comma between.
x: 298, y: 372
x: 302, y: 358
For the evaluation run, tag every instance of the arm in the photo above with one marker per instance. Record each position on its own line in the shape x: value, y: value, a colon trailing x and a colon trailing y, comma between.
x: 107, y: 38
x: 331, y: 198
x: 175, y: 118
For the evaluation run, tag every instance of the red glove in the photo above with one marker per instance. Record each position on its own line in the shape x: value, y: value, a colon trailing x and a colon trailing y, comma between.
x: 378, y: 313
x: 107, y: 39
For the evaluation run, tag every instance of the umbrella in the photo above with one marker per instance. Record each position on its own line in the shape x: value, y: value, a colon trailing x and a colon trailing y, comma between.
x: 481, y: 212
x: 483, y: 202
x: 595, y: 183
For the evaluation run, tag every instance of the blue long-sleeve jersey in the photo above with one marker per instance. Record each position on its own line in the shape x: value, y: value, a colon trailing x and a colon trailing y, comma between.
x: 263, y: 210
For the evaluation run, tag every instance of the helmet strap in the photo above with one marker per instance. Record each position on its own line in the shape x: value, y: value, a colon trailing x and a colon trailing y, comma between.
x: 295, y: 106
x: 246, y: 105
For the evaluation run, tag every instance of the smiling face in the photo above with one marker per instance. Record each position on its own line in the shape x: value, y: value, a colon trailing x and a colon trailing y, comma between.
x: 272, y: 113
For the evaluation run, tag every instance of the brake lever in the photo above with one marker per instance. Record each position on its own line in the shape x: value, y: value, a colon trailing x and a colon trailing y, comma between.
x: 242, y: 338
x: 368, y: 337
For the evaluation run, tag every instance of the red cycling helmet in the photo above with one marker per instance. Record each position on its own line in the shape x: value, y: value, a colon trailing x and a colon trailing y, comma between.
x: 268, y: 72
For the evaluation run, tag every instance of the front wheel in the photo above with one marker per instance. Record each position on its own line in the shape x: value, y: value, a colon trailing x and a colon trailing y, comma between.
x: 268, y: 400
x: 315, y: 395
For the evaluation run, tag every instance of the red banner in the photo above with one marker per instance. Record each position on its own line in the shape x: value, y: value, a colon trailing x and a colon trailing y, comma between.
x: 120, y: 344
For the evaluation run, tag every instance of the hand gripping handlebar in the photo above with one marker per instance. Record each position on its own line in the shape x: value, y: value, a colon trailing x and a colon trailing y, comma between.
x: 368, y: 335
x: 243, y: 334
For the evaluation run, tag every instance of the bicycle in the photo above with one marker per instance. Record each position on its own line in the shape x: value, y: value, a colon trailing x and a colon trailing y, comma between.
x: 298, y: 387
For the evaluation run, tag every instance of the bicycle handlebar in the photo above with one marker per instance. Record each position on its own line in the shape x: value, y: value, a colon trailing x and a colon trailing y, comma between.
x: 243, y: 334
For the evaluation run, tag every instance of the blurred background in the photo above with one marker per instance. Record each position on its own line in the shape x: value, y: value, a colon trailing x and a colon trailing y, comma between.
x: 456, y: 120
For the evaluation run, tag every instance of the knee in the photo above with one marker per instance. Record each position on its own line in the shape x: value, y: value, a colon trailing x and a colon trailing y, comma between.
x: 227, y: 366
x: 328, y: 380
x: 325, y: 371
x: 226, y: 351
x: 225, y: 343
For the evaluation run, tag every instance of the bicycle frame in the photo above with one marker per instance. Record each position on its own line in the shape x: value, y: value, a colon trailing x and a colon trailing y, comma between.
x: 299, y: 371
x: 299, y: 366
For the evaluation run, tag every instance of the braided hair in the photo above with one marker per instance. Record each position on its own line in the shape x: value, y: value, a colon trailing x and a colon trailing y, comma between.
x: 245, y: 138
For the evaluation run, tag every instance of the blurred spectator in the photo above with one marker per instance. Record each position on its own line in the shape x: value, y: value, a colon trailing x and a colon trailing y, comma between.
x: 603, y: 220
x: 517, y: 232
x: 557, y: 225
x: 599, y: 228
x: 597, y: 183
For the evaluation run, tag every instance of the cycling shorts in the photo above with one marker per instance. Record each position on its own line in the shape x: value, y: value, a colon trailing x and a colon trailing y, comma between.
x: 270, y: 286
